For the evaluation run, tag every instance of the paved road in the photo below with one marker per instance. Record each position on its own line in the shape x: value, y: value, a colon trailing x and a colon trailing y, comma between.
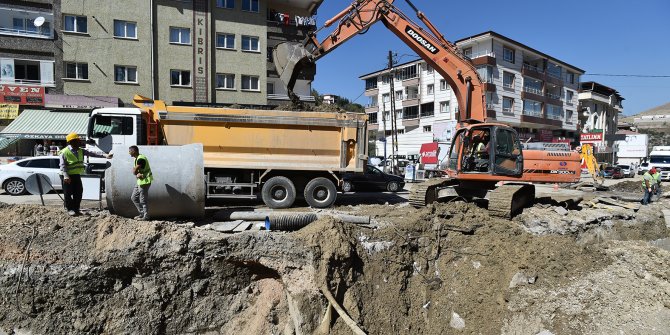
x: 53, y: 199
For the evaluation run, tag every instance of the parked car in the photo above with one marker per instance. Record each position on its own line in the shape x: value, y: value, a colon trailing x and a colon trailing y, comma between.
x: 627, y: 170
x: 372, y: 180
x: 644, y: 167
x: 613, y: 172
x: 14, y: 175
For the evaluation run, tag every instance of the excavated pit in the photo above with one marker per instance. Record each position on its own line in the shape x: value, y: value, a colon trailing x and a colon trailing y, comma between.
x: 443, y: 269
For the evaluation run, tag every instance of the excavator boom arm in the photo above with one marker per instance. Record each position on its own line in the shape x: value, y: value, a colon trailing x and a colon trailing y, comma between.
x: 443, y: 56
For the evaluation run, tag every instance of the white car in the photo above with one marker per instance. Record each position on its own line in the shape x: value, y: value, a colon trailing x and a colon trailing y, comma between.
x: 13, y: 175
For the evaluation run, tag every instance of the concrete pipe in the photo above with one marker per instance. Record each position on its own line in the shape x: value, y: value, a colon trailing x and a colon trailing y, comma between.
x: 178, y: 189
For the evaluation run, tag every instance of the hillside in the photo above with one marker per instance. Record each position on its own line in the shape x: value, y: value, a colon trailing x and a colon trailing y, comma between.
x: 662, y: 109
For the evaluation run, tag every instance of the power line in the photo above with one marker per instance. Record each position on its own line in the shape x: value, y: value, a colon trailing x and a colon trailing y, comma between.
x: 627, y: 75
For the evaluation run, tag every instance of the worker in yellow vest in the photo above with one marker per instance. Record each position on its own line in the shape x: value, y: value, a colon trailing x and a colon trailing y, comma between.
x: 141, y: 171
x: 71, y: 169
x: 648, y: 185
x: 657, y: 183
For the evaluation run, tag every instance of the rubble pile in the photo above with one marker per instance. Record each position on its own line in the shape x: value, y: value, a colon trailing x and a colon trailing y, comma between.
x: 445, y: 268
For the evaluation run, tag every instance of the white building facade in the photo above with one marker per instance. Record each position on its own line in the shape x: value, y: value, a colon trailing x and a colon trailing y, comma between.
x: 526, y: 89
x: 600, y: 107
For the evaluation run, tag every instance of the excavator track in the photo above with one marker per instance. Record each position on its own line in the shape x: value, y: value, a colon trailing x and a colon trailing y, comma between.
x: 505, y: 201
x: 425, y: 192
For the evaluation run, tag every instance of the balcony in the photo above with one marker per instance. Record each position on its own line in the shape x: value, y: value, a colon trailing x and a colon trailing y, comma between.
x: 29, y: 72
x: 483, y: 58
x: 532, y: 71
x: 553, y: 99
x: 19, y: 22
x: 537, y: 118
x: 489, y: 87
x: 371, y: 108
x: 532, y: 94
x: 371, y: 92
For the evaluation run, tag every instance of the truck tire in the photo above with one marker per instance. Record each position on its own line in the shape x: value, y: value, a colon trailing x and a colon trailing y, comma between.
x: 320, y: 193
x: 278, y: 192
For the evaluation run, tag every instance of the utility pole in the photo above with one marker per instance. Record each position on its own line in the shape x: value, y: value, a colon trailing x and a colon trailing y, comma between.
x: 394, y: 131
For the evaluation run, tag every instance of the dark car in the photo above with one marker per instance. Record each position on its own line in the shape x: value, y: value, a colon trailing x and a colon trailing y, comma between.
x: 372, y: 180
x: 613, y: 172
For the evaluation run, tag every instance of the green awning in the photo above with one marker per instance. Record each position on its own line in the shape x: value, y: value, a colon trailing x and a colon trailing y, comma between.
x: 45, y: 124
x: 5, y: 142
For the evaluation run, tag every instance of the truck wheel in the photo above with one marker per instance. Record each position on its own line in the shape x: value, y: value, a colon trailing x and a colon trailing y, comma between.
x: 347, y: 186
x: 278, y: 192
x: 320, y: 193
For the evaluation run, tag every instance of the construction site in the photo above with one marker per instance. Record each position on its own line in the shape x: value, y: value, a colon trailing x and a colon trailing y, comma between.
x: 258, y: 220
x: 598, y: 266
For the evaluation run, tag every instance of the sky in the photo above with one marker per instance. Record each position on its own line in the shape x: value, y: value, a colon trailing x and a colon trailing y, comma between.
x: 620, y: 37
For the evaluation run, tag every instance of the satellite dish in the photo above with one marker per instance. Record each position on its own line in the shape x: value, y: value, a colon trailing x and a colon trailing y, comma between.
x: 39, y: 21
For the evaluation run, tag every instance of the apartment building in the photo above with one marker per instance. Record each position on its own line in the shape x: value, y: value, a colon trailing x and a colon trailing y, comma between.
x: 600, y: 107
x: 30, y: 53
x: 188, y: 51
x: 525, y: 88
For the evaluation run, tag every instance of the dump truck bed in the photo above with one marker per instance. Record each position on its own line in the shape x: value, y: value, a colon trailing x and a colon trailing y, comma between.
x: 270, y: 139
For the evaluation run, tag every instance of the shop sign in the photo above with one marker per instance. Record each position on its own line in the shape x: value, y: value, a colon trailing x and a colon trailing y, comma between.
x: 9, y: 111
x: 591, y: 137
x: 22, y: 95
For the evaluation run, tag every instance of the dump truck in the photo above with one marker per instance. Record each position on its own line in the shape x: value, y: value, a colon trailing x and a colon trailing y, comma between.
x: 276, y: 155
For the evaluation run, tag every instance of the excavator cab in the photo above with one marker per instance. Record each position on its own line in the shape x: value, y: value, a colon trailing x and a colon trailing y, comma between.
x: 486, y: 149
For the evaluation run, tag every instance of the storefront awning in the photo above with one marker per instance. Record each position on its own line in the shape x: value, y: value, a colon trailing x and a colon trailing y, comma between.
x: 5, y: 142
x: 45, y: 124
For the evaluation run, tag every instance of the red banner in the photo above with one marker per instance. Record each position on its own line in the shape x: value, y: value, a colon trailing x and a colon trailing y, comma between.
x: 429, y: 153
x: 22, y: 95
x: 591, y: 137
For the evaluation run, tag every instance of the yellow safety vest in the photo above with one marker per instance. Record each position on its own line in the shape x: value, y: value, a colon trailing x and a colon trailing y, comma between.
x: 652, y: 181
x: 146, y: 171
x: 74, y: 163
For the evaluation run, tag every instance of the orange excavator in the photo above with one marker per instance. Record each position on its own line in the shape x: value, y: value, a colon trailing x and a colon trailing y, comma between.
x: 486, y: 159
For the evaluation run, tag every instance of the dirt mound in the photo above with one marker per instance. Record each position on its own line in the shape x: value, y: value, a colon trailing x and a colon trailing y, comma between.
x: 628, y: 186
x: 104, y: 274
x: 446, y: 268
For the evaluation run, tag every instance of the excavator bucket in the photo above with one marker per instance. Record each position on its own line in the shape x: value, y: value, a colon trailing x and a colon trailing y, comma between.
x: 292, y: 59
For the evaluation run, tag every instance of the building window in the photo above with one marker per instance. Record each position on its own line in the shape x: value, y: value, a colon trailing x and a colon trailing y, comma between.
x: 508, y: 79
x: 250, y: 6
x: 76, y: 71
x: 570, y: 77
x: 429, y: 69
x: 270, y: 88
x: 443, y: 85
x: 508, y: 105
x: 372, y: 118
x: 125, y: 74
x: 508, y: 54
x: 225, y: 81
x: 532, y: 108
x: 386, y: 97
x: 125, y: 29
x: 228, y: 4
x: 532, y: 85
x: 569, y: 95
x: 26, y: 71
x: 568, y: 116
x: 486, y: 73
x: 180, y: 35
x: 250, y: 83
x: 427, y: 129
x: 27, y: 25
x: 180, y: 78
x: 75, y: 24
x: 370, y: 83
x: 431, y: 89
x: 398, y: 95
x: 225, y: 41
x: 408, y: 72
x: 467, y: 52
x: 250, y: 43
x: 444, y: 107
x: 386, y: 79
